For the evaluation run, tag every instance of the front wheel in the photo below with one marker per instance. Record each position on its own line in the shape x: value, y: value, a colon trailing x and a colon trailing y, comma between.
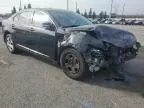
x: 73, y: 64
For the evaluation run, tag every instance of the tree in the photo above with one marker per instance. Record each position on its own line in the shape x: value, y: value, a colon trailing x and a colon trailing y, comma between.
x: 94, y: 15
x: 29, y: 6
x: 24, y: 6
x: 85, y: 14
x: 113, y: 15
x: 101, y: 15
x: 13, y: 10
x: 20, y: 9
x: 105, y: 15
x: 78, y: 11
x: 90, y: 13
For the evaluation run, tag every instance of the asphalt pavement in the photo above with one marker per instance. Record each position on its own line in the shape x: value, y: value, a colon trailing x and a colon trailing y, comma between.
x: 29, y: 82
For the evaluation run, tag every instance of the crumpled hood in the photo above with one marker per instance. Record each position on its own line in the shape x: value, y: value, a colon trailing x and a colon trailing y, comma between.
x: 117, y: 37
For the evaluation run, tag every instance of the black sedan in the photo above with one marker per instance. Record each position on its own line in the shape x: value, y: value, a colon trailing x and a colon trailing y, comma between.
x: 69, y: 39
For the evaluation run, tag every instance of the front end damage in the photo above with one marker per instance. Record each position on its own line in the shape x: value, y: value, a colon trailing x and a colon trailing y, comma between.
x: 110, y: 57
x: 101, y: 46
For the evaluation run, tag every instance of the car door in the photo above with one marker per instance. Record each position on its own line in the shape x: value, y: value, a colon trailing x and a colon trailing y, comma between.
x: 45, y: 35
x: 22, y: 28
x: 14, y: 25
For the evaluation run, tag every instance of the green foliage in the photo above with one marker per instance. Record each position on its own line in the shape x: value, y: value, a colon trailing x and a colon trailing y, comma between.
x: 85, y: 14
x: 13, y: 10
x: 103, y: 15
x: 78, y: 11
x: 90, y: 13
x: 24, y: 6
x: 20, y: 9
x: 29, y: 6
x: 94, y: 15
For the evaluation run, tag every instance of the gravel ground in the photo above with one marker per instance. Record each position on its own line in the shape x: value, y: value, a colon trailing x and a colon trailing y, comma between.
x: 29, y: 82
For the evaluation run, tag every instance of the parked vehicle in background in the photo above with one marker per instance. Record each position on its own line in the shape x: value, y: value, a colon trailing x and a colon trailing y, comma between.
x: 0, y: 21
x: 116, y: 21
x: 138, y: 22
x: 130, y: 22
x: 103, y: 20
x: 97, y: 21
x: 142, y: 22
x: 90, y: 19
x: 108, y: 21
x: 70, y: 40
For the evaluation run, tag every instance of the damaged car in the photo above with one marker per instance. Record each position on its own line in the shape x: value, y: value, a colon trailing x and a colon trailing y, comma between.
x: 69, y: 39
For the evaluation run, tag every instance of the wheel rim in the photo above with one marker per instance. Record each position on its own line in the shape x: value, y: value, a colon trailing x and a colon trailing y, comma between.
x: 9, y: 43
x: 72, y: 64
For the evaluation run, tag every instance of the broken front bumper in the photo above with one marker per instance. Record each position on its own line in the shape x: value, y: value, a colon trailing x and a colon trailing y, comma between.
x: 97, y: 59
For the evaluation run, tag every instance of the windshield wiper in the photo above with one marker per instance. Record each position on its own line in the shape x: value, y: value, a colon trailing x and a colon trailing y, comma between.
x: 70, y: 26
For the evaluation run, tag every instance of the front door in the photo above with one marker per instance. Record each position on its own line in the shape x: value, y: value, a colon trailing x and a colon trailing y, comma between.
x: 45, y: 37
x: 22, y: 27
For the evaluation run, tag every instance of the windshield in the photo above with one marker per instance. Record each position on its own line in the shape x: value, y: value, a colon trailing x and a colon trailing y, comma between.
x: 68, y: 18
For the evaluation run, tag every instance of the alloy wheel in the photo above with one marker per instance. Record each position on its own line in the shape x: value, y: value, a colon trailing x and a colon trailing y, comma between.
x: 72, y: 63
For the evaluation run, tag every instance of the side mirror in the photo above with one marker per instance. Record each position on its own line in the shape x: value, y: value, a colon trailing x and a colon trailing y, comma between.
x: 49, y: 26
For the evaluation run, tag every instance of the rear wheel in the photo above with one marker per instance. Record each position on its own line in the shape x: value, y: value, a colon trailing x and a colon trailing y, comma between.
x: 10, y: 44
x: 73, y: 64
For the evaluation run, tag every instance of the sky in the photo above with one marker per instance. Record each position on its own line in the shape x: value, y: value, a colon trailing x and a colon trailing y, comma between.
x: 131, y: 6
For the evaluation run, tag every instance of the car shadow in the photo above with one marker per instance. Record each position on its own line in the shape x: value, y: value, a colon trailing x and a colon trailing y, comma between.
x: 133, y: 82
x: 134, y: 78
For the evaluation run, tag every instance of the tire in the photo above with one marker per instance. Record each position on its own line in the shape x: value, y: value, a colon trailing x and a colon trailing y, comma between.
x: 10, y: 44
x: 73, y: 64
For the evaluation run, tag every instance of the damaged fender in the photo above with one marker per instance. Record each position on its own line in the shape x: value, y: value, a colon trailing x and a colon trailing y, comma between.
x: 100, y: 45
x: 90, y: 48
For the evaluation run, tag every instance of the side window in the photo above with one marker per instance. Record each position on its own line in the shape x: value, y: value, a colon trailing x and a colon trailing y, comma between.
x: 40, y: 18
x: 25, y: 18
